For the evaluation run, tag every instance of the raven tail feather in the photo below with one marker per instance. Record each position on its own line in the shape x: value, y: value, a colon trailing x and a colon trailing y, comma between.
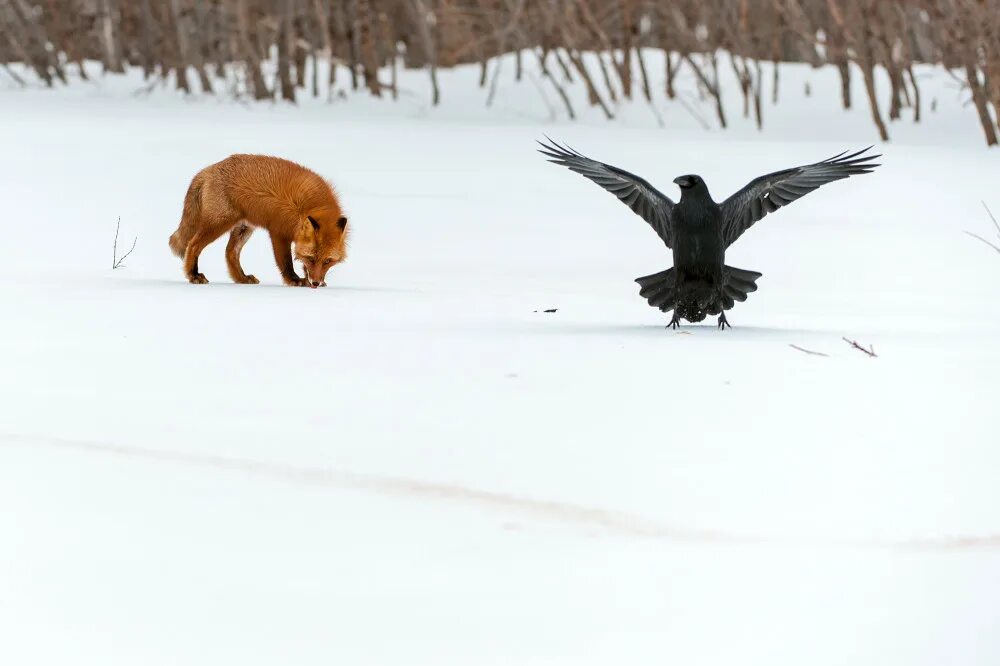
x: 737, y: 284
x: 658, y: 289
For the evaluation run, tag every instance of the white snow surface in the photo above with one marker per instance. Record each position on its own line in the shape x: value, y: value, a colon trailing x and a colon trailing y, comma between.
x: 417, y: 465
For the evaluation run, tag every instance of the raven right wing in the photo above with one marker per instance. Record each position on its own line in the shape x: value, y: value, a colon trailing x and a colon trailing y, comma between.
x: 769, y: 193
x: 644, y: 199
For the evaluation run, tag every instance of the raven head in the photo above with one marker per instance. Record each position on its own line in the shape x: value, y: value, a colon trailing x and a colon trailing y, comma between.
x: 689, y: 181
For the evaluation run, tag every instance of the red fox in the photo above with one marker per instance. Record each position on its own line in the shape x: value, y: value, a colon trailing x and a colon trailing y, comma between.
x: 243, y: 192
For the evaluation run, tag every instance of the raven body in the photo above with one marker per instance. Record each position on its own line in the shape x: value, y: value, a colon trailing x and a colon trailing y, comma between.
x: 699, y: 230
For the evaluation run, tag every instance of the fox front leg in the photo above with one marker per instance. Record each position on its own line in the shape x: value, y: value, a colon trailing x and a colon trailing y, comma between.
x: 283, y: 256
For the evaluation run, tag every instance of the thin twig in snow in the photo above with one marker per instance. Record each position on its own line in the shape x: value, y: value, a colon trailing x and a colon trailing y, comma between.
x: 870, y: 351
x: 992, y: 217
x: 117, y: 263
x: 996, y: 224
x: 809, y: 351
x: 980, y: 238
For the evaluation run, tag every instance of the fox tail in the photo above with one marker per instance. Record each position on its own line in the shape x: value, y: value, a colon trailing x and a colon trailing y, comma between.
x: 189, y: 218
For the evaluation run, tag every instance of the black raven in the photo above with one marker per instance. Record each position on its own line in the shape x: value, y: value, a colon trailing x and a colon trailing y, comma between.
x: 699, y: 230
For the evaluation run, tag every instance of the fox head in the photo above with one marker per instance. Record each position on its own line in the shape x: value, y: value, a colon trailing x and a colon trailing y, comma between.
x: 321, y: 244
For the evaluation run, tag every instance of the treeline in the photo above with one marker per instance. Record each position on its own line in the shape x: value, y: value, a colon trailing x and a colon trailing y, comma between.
x: 203, y: 44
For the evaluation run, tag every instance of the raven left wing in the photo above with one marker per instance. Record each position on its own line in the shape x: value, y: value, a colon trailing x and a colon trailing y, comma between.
x: 769, y: 193
x: 645, y: 200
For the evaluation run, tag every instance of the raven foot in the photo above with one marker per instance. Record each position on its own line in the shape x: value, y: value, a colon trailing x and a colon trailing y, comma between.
x: 675, y: 323
x: 723, y: 322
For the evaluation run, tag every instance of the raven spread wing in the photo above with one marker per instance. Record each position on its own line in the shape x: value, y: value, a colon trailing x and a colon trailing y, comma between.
x: 644, y: 199
x: 769, y: 193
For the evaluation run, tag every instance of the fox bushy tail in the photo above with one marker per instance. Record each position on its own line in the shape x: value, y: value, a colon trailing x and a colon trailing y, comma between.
x: 189, y: 218
x: 660, y: 289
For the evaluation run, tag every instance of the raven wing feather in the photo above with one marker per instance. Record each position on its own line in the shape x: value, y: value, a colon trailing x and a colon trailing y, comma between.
x: 769, y: 193
x: 645, y: 200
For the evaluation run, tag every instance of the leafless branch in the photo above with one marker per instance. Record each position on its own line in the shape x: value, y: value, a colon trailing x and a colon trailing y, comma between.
x: 870, y: 351
x: 809, y: 351
x: 980, y: 238
x: 992, y: 217
x: 117, y: 263
x: 995, y: 246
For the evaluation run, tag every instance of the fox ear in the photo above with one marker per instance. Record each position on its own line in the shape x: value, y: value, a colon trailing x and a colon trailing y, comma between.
x: 313, y: 222
x: 342, y: 223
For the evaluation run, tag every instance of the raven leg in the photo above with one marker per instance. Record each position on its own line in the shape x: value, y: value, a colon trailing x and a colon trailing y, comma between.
x: 723, y: 322
x: 675, y: 323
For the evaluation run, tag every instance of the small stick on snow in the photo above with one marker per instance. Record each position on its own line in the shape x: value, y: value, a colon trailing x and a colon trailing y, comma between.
x: 995, y: 224
x: 809, y: 351
x: 992, y: 217
x: 117, y: 263
x: 870, y: 351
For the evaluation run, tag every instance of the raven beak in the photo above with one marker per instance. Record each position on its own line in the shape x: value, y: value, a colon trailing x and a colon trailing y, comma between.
x: 683, y: 181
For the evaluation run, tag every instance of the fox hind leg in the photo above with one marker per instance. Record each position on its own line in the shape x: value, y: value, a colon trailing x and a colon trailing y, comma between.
x: 238, y: 237
x: 191, y: 254
x: 205, y: 236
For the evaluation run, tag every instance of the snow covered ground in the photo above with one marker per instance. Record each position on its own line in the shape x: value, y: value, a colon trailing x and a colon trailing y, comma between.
x: 418, y: 465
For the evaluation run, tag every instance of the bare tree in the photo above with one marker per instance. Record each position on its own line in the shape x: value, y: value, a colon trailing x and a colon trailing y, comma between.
x: 605, y: 44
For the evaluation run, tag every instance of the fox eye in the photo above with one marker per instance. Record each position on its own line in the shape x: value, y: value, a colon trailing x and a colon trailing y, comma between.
x: 327, y: 261
x: 308, y: 260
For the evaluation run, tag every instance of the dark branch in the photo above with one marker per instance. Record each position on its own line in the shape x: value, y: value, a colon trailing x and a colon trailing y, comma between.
x: 870, y: 351
x: 117, y: 263
x: 996, y: 224
x: 809, y: 351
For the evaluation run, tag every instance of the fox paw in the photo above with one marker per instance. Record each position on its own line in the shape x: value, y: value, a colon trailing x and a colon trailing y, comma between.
x: 198, y: 278
x: 250, y: 279
x: 297, y: 282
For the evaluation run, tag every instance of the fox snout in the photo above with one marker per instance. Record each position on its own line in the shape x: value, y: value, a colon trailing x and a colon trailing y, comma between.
x: 316, y: 274
x: 320, y: 247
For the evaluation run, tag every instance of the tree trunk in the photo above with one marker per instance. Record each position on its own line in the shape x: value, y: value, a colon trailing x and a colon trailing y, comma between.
x: 982, y: 108
x: 916, y: 94
x: 422, y: 19
x: 284, y: 50
x: 390, y: 45
x: 180, y: 46
x: 109, y: 21
x: 671, y: 74
x: 147, y: 49
x: 592, y: 93
x: 542, y: 57
x: 868, y: 71
x: 250, y: 53
x: 844, y: 68
x: 323, y: 27
x: 625, y: 65
x: 66, y: 38
x: 646, y: 91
